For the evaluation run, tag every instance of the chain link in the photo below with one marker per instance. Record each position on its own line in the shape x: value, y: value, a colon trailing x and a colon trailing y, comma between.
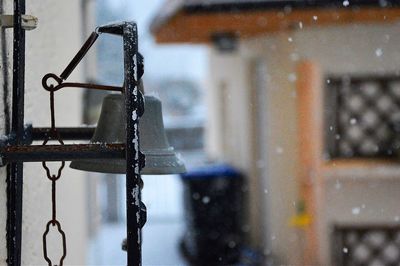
x: 53, y: 135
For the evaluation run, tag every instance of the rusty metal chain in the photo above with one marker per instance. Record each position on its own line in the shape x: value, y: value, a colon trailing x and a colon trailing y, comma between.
x: 53, y: 135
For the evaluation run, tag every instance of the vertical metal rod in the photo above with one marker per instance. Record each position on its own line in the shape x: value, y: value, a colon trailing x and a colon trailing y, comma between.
x: 134, y: 243
x: 15, y: 170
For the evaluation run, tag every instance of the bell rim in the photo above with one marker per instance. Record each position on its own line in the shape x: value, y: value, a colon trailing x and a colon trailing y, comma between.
x: 170, y: 164
x: 162, y: 152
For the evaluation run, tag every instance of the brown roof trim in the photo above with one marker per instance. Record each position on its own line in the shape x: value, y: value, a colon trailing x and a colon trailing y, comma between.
x: 180, y: 23
x: 172, y: 7
x: 243, y: 5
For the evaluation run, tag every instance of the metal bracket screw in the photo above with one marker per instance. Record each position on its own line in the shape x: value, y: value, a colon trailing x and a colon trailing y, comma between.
x: 28, y: 22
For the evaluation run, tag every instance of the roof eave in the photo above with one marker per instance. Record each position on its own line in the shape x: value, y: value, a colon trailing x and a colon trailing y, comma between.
x: 189, y: 18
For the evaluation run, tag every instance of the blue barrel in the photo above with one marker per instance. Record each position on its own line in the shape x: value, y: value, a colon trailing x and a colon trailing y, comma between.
x: 213, y: 198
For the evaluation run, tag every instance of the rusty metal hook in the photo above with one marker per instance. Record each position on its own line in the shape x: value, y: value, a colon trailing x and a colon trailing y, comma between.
x: 59, y: 84
x: 51, y: 87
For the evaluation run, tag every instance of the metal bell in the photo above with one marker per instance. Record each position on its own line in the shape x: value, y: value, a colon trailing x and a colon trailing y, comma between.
x: 160, y: 156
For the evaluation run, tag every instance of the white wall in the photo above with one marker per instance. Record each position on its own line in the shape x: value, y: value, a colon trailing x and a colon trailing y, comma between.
x: 229, y: 116
x: 339, y: 50
x: 49, y: 49
x: 282, y: 139
x: 233, y: 69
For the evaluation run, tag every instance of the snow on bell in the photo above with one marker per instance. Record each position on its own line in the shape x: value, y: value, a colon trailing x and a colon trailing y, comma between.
x: 160, y: 156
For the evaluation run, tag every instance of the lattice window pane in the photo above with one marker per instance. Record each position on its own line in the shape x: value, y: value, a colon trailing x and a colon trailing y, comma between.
x: 366, y: 246
x: 359, y: 116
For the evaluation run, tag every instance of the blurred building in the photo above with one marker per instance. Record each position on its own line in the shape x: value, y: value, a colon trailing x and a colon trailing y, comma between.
x: 302, y: 95
x: 49, y: 48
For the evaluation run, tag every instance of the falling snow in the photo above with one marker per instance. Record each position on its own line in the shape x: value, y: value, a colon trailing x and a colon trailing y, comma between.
x: 279, y: 150
x: 379, y: 52
x: 205, y: 200
x: 292, y: 77
x: 356, y: 211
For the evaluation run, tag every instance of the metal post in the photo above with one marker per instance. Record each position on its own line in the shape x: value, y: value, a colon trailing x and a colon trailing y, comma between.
x: 134, y: 242
x: 15, y: 170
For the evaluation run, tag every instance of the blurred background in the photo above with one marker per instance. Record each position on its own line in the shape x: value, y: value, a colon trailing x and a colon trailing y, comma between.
x: 286, y: 114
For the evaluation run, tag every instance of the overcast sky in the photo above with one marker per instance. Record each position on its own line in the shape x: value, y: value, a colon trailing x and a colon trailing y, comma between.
x: 173, y: 61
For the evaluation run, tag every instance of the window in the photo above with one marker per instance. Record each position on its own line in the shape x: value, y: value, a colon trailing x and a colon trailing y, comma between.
x: 360, y: 113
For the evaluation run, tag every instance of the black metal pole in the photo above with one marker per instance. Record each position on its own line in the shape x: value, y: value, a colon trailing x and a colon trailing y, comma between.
x: 15, y: 170
x: 134, y: 242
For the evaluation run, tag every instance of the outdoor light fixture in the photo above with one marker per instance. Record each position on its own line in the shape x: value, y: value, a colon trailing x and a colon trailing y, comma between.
x: 225, y: 41
x: 115, y: 145
x: 160, y: 157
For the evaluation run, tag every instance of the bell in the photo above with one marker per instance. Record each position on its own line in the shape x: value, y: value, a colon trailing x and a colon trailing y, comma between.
x: 160, y: 156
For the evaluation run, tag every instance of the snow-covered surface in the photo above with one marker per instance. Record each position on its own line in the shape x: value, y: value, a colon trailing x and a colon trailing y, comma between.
x: 160, y: 244
x: 163, y: 198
